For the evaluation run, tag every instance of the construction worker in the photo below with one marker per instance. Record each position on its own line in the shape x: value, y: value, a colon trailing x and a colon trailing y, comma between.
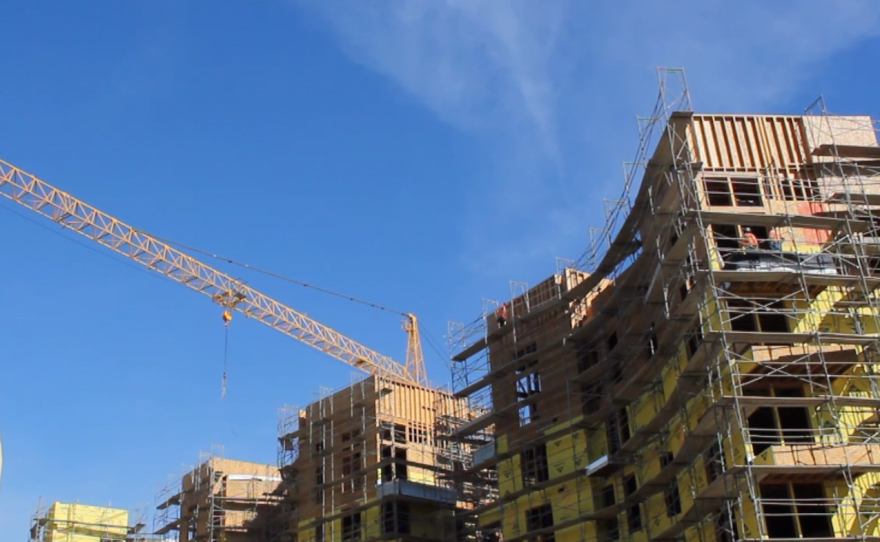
x: 749, y: 241
x: 501, y: 314
x: 774, y: 240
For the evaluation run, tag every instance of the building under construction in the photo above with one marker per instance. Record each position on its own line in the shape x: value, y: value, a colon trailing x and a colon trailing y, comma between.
x: 77, y: 522
x: 370, y: 462
x: 707, y: 372
x: 712, y: 374
x: 219, y: 500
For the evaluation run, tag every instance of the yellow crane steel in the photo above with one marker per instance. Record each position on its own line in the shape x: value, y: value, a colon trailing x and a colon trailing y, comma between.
x: 59, y: 206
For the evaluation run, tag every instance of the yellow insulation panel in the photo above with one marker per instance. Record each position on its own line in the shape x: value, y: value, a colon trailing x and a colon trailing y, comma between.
x: 74, y: 522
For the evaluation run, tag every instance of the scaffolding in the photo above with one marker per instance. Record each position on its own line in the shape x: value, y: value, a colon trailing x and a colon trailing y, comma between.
x: 140, y: 518
x: 366, y: 462
x: 707, y: 370
x: 219, y: 500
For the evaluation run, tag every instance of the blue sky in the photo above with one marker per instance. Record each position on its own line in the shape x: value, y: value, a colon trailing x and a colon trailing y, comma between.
x: 417, y: 154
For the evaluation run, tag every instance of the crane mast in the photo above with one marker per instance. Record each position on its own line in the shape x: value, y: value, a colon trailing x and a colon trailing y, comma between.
x: 415, y: 361
x: 61, y: 207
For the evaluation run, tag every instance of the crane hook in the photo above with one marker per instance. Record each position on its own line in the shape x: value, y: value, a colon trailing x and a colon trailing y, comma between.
x: 227, y: 317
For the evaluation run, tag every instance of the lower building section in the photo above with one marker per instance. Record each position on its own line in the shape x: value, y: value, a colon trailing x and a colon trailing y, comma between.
x: 406, y: 511
x: 75, y: 522
x: 708, y: 460
x: 370, y: 462
x: 220, y: 500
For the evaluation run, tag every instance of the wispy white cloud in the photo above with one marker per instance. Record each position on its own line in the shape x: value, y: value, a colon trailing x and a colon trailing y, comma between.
x: 471, y: 62
x: 554, y: 87
x: 738, y: 55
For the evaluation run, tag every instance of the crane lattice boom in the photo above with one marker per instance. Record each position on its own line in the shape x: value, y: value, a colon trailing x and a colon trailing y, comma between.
x: 35, y: 194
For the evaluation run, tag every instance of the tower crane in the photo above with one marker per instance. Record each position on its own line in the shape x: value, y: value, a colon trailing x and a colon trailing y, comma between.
x: 233, y: 295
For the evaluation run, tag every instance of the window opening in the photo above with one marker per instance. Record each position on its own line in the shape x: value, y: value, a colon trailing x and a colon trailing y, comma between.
x: 419, y: 434
x: 633, y: 512
x: 773, y: 426
x: 695, y: 339
x: 394, y: 432
x: 319, y: 481
x: 612, y: 434
x: 813, y: 515
x: 351, y: 527
x: 530, y: 349
x: 623, y: 425
x: 608, y: 498
x: 528, y: 381
x: 527, y: 414
x: 609, y: 529
x: 387, y: 470
x: 795, y: 188
x: 395, y: 518
x: 776, y: 322
x: 741, y: 316
x: 713, y: 458
x: 778, y: 512
x: 726, y: 238
x: 587, y: 356
x: 351, y: 465
x: 533, y: 464
x: 671, y: 495
x: 399, y: 432
x: 747, y: 192
x: 794, y: 421
x: 725, y: 529
x: 718, y: 192
x: 762, y: 430
x: 612, y: 341
x: 591, y: 395
x: 400, y: 466
x: 616, y: 373
x: 538, y: 518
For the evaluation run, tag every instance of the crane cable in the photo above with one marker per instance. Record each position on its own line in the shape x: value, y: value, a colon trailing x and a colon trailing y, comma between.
x: 227, y: 317
x: 225, y: 361
x: 295, y: 281
x: 228, y: 260
x: 277, y: 275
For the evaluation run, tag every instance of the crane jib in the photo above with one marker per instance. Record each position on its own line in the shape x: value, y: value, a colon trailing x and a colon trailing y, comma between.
x: 59, y: 206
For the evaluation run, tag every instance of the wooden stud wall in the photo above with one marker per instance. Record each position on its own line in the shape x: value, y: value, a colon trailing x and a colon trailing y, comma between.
x: 748, y: 142
x: 744, y: 146
x: 237, y: 515
x: 365, y: 407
